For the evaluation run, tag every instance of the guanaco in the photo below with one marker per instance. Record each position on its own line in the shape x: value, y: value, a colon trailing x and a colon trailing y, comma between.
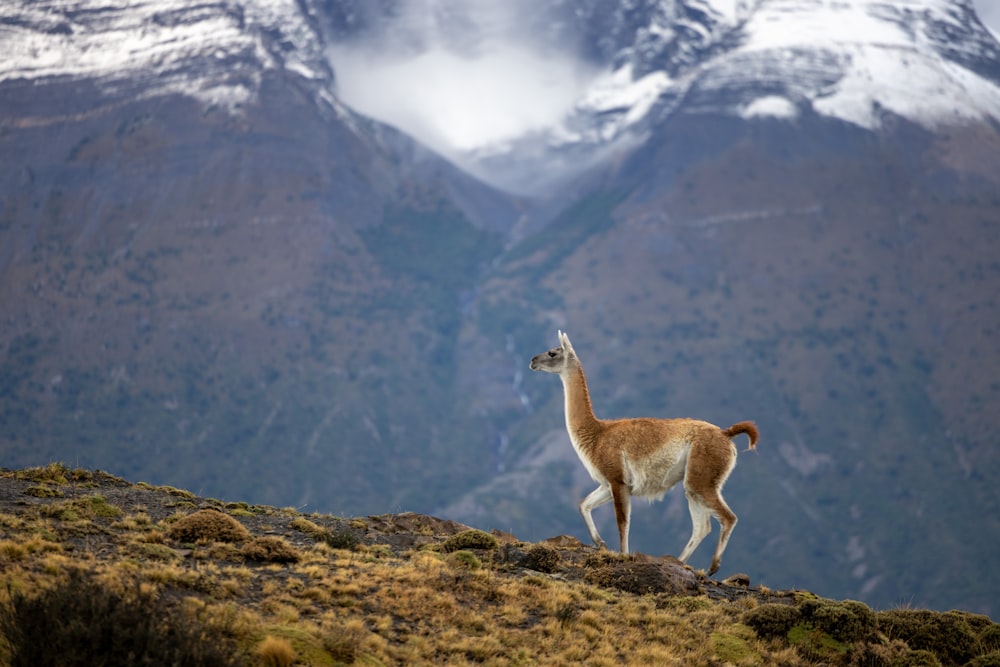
x: 646, y: 457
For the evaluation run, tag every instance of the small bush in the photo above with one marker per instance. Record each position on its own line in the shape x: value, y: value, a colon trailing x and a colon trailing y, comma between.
x: 180, y: 493
x: 53, y: 472
x: 95, y: 506
x: 80, y: 622
x: 734, y: 646
x: 210, y: 525
x: 989, y: 638
x: 991, y: 659
x: 271, y: 550
x: 920, y: 658
x: 772, y: 620
x: 43, y: 491
x: 343, y: 643
x: 947, y: 635
x: 308, y: 527
x: 342, y: 538
x: 846, y: 621
x: 465, y: 560
x: 12, y: 551
x: 542, y: 558
x: 816, y: 644
x: 159, y: 552
x: 275, y: 652
x: 470, y: 539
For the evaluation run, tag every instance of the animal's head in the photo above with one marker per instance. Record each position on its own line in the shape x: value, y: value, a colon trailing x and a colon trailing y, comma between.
x: 556, y: 359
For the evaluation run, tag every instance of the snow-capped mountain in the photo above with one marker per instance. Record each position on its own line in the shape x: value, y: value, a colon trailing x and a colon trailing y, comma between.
x: 929, y: 61
x: 561, y: 87
x: 215, y: 52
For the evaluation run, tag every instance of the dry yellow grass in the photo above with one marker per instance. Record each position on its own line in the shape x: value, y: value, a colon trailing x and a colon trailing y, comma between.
x: 373, y: 604
x: 275, y: 652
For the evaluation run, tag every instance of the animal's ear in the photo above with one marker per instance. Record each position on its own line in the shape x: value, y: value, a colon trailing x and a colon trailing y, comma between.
x: 564, y: 341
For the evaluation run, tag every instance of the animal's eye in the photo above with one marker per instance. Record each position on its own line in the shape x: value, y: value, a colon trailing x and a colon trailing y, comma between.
x: 552, y: 353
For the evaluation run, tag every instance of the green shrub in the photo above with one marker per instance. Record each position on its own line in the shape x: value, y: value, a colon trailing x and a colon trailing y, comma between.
x: 920, y: 658
x: 53, y: 472
x: 342, y: 538
x: 991, y: 659
x: 42, y: 491
x: 465, y: 560
x: 470, y: 539
x: 772, y: 620
x: 97, y: 505
x: 989, y: 638
x: 845, y: 621
x: 80, y: 622
x: 947, y: 635
x: 816, y: 644
x: 733, y: 646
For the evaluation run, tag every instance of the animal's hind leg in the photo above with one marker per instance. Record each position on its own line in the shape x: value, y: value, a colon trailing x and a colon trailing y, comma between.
x: 727, y: 520
x: 709, y: 465
x: 701, y: 524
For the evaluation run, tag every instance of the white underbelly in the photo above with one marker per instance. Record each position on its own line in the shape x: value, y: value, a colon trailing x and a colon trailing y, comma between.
x: 653, y: 476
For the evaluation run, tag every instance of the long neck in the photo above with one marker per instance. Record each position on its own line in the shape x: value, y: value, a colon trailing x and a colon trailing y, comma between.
x: 579, y: 412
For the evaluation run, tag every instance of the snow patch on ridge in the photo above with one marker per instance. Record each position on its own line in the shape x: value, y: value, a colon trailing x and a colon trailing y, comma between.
x: 882, y: 59
x: 620, y: 99
x: 929, y: 90
x: 157, y: 43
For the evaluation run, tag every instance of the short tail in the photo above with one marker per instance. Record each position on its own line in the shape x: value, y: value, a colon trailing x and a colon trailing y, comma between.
x: 743, y: 427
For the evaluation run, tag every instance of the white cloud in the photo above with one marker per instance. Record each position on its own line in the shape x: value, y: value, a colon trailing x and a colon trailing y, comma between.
x: 459, y: 103
x: 465, y: 77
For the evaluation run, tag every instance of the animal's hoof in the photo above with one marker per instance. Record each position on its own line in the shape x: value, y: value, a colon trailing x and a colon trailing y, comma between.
x: 600, y: 544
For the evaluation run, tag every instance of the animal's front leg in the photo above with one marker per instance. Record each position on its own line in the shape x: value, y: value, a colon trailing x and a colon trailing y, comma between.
x: 623, y: 511
x: 596, y: 498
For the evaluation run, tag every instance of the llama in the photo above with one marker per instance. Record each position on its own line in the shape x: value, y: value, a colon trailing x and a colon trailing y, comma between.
x: 647, y: 457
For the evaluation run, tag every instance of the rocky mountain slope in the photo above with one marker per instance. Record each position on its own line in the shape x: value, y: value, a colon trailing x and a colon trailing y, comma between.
x: 215, y: 274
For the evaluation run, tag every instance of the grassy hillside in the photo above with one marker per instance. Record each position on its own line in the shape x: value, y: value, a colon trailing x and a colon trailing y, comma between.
x: 94, y: 566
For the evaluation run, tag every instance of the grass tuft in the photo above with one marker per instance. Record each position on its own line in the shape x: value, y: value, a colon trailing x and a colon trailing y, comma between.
x: 464, y: 560
x: 43, y: 491
x: 275, y: 652
x: 209, y: 525
x: 270, y: 549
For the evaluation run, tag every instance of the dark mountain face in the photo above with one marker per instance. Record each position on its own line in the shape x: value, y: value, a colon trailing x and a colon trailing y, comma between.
x: 277, y: 299
x: 216, y: 296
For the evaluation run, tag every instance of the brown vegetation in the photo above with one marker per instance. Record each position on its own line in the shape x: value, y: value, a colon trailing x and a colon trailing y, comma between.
x: 157, y: 570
